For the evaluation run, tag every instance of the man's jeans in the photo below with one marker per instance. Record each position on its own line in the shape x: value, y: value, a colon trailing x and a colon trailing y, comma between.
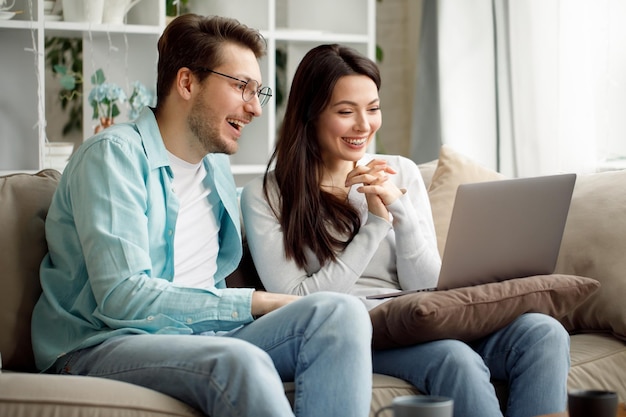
x: 532, y: 354
x: 321, y: 342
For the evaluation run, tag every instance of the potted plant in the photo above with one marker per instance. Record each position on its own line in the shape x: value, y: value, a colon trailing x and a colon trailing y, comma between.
x: 104, y: 98
x: 139, y: 98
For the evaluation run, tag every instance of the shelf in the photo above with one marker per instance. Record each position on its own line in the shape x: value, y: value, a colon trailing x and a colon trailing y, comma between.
x: 69, y: 29
x: 128, y: 52
x: 314, y: 36
x: 18, y: 24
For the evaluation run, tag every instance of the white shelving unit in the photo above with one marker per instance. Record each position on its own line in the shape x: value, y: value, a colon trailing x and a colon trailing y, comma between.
x: 125, y: 52
x: 128, y: 52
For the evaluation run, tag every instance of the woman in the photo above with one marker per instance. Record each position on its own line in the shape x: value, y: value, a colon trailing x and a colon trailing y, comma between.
x: 330, y: 217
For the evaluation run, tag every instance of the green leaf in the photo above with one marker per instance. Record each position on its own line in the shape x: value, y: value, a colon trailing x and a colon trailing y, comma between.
x: 98, y: 77
x: 94, y: 106
x: 60, y: 69
x: 115, y: 111
x: 68, y: 82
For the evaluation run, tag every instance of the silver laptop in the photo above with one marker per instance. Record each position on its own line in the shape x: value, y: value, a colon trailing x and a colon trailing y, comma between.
x: 504, y: 229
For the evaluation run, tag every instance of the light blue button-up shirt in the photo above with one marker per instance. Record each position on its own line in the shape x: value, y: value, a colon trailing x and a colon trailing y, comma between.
x: 110, y: 232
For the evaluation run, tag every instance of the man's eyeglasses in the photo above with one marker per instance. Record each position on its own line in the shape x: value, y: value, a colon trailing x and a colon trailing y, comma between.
x: 250, y: 88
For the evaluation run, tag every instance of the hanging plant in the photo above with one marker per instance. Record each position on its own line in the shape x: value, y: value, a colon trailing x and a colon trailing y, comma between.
x: 64, y: 56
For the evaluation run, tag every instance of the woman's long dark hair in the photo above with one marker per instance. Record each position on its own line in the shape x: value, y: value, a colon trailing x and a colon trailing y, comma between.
x: 309, y: 216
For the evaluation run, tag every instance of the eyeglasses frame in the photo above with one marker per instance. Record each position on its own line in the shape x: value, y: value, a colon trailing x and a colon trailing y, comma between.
x: 266, y: 91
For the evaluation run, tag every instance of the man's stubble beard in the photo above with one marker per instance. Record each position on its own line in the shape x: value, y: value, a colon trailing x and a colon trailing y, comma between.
x: 207, y: 131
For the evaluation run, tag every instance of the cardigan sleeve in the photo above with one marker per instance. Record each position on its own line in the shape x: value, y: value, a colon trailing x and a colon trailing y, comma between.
x: 279, y: 274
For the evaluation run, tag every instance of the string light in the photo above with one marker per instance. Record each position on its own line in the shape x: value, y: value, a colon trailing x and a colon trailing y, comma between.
x: 40, y: 125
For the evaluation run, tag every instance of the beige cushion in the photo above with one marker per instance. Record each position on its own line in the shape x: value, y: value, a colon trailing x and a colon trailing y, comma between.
x: 594, y: 245
x: 598, y: 362
x: 452, y: 170
x: 427, y: 169
x: 470, y: 313
x: 23, y: 394
x: 24, y: 201
x: 385, y: 389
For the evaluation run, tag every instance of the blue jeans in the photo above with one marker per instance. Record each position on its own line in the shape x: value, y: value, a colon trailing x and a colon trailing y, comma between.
x: 321, y: 342
x: 531, y: 354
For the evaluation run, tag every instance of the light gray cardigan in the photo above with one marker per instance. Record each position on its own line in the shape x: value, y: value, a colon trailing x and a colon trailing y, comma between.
x: 383, y: 257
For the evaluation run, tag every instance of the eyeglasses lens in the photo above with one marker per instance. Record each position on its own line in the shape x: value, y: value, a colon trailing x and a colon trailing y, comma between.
x: 252, y: 89
x: 264, y: 95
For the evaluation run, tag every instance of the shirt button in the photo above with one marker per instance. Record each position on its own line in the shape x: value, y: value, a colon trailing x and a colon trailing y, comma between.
x: 169, y: 232
x: 189, y: 321
x: 234, y: 315
x: 150, y: 318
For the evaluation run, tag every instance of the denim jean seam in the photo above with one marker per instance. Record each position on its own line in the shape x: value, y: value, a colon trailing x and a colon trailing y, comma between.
x: 68, y: 361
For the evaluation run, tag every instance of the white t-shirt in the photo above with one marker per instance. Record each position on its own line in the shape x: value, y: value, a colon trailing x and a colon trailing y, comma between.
x: 196, y: 240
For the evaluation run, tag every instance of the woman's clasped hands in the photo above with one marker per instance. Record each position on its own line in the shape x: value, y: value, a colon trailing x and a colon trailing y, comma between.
x: 379, y: 192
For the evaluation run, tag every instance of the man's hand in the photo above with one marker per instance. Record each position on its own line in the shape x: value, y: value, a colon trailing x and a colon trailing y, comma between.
x: 265, y: 302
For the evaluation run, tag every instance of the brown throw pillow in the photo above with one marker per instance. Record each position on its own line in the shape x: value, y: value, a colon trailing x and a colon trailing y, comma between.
x: 470, y: 313
x: 24, y: 201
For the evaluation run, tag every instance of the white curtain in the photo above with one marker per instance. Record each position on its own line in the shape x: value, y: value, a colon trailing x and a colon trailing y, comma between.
x: 528, y: 87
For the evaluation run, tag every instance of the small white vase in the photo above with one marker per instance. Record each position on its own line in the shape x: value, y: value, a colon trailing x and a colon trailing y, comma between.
x: 89, y: 11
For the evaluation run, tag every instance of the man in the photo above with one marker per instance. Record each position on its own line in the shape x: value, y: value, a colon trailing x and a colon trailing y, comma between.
x: 143, y: 230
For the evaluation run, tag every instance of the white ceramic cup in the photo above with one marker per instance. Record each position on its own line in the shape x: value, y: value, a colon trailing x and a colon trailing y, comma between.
x: 115, y: 11
x: 6, y: 4
x: 420, y: 406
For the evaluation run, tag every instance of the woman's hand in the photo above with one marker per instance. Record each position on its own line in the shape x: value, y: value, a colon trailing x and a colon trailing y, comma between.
x: 379, y: 192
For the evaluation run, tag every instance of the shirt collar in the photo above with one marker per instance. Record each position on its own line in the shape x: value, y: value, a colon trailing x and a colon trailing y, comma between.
x: 151, y: 137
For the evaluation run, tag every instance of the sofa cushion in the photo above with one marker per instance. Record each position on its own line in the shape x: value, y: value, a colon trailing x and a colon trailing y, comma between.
x: 598, y: 362
x: 452, y: 170
x: 470, y: 313
x: 24, y: 394
x: 594, y: 245
x: 24, y: 202
x: 427, y: 170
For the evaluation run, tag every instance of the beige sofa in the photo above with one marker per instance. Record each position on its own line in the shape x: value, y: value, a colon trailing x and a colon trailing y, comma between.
x: 594, y: 245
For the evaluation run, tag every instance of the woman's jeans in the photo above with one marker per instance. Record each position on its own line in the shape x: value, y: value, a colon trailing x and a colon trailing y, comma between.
x: 532, y: 354
x: 321, y: 342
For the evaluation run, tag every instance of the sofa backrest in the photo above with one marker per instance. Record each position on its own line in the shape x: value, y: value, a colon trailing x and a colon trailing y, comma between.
x: 24, y: 202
